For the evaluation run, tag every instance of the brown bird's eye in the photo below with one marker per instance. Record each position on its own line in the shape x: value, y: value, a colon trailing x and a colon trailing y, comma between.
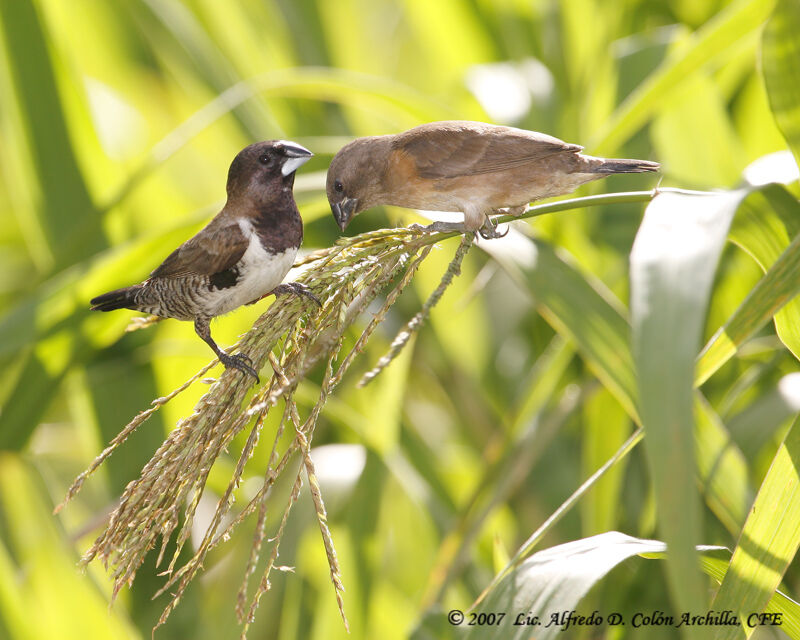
x: 264, y: 158
x: 338, y: 186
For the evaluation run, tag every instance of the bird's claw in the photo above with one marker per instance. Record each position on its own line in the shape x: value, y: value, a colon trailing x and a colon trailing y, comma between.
x: 298, y: 289
x: 240, y: 361
x: 489, y: 231
x: 440, y: 226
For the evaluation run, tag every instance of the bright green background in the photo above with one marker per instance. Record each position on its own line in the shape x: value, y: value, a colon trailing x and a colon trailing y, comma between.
x: 117, y: 123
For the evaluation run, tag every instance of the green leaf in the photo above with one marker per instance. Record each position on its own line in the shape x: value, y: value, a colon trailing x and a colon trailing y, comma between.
x: 756, y: 424
x: 605, y: 427
x: 726, y: 29
x: 770, y: 537
x: 555, y: 580
x: 698, y: 111
x: 40, y: 569
x: 67, y: 217
x: 780, y: 62
x: 721, y: 467
x: 778, y: 603
x: 580, y: 308
x: 765, y: 221
x: 673, y: 261
x: 52, y: 329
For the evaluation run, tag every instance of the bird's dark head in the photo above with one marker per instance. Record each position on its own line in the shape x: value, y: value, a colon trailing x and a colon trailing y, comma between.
x: 355, y: 177
x: 265, y: 166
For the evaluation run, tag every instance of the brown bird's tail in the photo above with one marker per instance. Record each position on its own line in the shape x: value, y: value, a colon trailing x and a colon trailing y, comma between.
x: 118, y: 299
x: 615, y: 165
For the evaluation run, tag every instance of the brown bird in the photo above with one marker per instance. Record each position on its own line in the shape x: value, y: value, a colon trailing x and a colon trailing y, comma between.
x: 472, y: 167
x: 239, y: 257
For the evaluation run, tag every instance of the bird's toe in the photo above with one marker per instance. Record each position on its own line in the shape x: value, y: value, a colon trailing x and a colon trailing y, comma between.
x: 303, y: 290
x: 242, y: 362
x: 489, y: 231
x: 298, y: 289
x: 441, y: 226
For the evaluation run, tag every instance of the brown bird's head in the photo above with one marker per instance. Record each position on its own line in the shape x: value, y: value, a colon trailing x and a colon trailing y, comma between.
x: 355, y: 177
x: 263, y: 167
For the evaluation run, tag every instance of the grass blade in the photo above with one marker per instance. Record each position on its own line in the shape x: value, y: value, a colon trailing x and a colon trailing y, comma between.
x: 769, y: 540
x: 673, y: 261
x: 780, y: 56
x: 725, y: 30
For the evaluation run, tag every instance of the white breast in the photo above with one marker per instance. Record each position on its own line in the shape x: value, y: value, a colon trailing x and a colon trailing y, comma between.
x: 259, y: 273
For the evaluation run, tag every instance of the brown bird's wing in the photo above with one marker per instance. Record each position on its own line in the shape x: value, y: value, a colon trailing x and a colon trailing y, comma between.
x: 218, y: 247
x: 457, y: 150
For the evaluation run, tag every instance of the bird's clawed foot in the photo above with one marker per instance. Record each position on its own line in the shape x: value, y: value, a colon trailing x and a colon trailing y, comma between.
x: 441, y: 226
x: 489, y: 230
x: 241, y: 362
x: 297, y: 289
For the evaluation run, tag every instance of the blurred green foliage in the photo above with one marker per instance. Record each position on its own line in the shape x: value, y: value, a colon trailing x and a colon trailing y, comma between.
x: 118, y: 122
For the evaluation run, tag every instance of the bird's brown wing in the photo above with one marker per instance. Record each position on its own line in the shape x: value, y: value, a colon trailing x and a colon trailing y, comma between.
x: 450, y: 152
x: 219, y: 246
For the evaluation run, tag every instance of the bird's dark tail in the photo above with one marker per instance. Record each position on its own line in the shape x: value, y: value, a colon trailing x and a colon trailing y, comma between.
x: 614, y: 165
x: 117, y: 299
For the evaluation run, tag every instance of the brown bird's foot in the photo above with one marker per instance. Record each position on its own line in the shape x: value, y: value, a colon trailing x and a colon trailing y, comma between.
x: 238, y: 361
x: 297, y: 289
x: 441, y: 226
x: 489, y: 230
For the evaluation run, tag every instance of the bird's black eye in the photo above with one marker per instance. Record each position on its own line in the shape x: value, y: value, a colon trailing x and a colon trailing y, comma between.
x: 265, y: 158
x: 338, y: 186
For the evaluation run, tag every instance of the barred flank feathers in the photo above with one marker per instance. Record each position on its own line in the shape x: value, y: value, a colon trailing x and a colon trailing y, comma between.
x: 117, y: 299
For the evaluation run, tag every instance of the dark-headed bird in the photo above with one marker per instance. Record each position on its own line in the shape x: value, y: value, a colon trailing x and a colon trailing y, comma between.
x: 472, y: 167
x: 239, y: 257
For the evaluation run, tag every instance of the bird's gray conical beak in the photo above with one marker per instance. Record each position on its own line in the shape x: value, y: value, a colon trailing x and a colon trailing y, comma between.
x: 343, y: 211
x: 296, y: 156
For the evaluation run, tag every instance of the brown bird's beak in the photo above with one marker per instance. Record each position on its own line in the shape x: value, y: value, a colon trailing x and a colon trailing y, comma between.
x: 343, y: 211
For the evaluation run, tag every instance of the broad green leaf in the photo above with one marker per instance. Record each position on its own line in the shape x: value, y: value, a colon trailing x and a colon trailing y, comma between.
x: 53, y: 329
x: 726, y: 29
x: 43, y: 573
x: 542, y: 382
x: 581, y: 309
x: 780, y: 62
x: 67, y: 218
x: 555, y: 580
x: 721, y: 467
x: 770, y: 537
x: 673, y: 261
x: 163, y: 22
x: 14, y: 618
x: 456, y: 318
x: 382, y: 409
x: 766, y: 219
x: 697, y: 112
x: 756, y: 424
x: 605, y: 427
x: 779, y: 602
x: 770, y: 217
